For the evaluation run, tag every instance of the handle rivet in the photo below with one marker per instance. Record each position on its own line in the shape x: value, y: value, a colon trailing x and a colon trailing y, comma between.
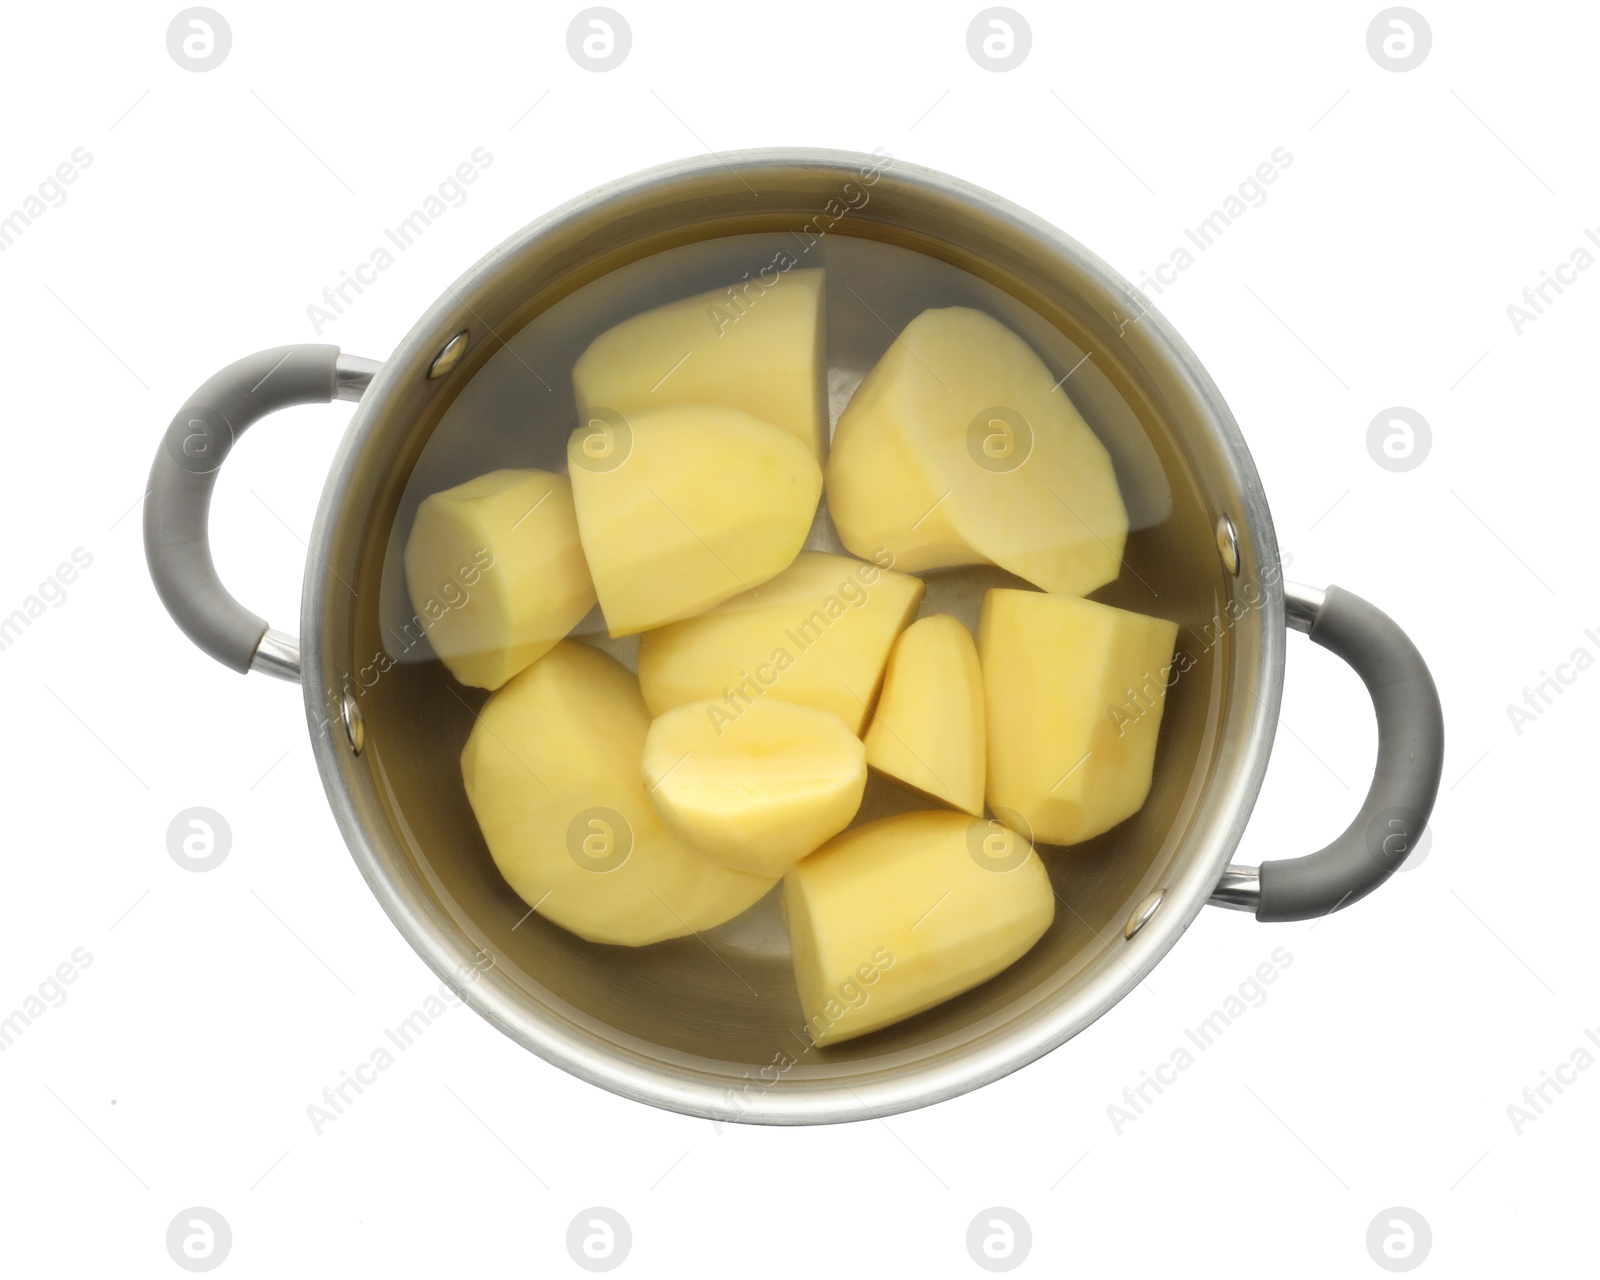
x: 355, y: 728
x: 449, y: 356
x: 1228, y: 545
x: 1142, y: 913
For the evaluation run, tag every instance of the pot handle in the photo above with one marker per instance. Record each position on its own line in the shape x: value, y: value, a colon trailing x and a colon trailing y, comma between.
x: 177, y: 505
x: 1404, y: 784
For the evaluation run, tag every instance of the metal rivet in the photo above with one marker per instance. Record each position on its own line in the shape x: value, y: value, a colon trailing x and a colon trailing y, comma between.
x: 1142, y: 913
x: 449, y: 357
x: 1228, y: 544
x: 355, y: 728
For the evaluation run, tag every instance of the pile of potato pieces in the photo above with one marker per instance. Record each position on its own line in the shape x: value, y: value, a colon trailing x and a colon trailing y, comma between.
x: 632, y: 809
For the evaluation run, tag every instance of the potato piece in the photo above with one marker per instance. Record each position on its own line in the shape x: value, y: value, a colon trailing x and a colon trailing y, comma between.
x: 756, y: 347
x: 552, y: 771
x: 496, y: 573
x: 691, y: 505
x: 928, y: 728
x: 959, y: 448
x: 756, y: 790
x: 894, y: 917
x: 817, y: 634
x: 1073, y: 692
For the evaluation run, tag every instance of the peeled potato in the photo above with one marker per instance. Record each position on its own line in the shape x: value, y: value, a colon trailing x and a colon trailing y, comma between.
x: 756, y: 790
x: 1074, y: 692
x: 687, y: 507
x: 959, y: 448
x: 928, y: 729
x: 757, y: 346
x: 894, y: 917
x: 496, y: 573
x: 817, y: 634
x: 552, y: 772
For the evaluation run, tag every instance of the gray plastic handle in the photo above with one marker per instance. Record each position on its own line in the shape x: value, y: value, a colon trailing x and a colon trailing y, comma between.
x: 177, y: 508
x: 1405, y: 782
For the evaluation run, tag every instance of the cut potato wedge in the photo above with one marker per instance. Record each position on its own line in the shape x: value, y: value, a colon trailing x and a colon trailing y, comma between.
x: 496, y: 573
x: 894, y: 917
x: 757, y: 346
x: 1074, y: 693
x: 928, y: 730
x: 818, y: 634
x: 552, y: 771
x: 959, y: 447
x: 756, y: 789
x: 691, y: 505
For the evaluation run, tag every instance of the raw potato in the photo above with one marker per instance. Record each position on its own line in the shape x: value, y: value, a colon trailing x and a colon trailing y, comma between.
x: 917, y: 469
x: 552, y: 771
x: 756, y: 347
x: 496, y: 573
x: 817, y: 634
x: 894, y: 917
x: 928, y: 729
x: 756, y: 790
x: 705, y: 502
x: 1074, y: 692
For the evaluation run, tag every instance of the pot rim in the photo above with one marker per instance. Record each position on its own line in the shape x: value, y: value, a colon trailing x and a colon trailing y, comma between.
x: 942, y: 1074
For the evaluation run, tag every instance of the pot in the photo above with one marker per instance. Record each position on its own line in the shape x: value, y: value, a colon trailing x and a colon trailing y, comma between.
x: 709, y: 1025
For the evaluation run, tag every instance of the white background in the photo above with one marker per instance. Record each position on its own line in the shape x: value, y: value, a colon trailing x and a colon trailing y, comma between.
x: 218, y: 1006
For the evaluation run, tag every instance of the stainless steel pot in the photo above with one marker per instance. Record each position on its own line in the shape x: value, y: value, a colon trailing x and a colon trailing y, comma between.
x: 709, y: 1025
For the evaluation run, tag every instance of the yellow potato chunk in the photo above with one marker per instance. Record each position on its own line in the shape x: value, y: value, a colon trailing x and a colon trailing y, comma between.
x: 959, y: 448
x: 496, y: 573
x: 1074, y: 692
x: 894, y: 917
x: 757, y: 346
x: 552, y: 771
x: 928, y: 728
x: 684, y: 507
x: 818, y: 634
x: 755, y: 789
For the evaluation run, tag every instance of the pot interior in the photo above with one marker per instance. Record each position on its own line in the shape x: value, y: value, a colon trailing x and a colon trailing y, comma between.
x: 705, y: 1015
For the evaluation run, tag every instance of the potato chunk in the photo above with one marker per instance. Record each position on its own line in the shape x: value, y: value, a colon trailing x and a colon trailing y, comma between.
x: 758, y: 788
x: 818, y: 634
x: 757, y: 346
x: 1074, y: 692
x: 686, y: 507
x: 496, y: 573
x: 928, y: 728
x: 552, y: 771
x: 894, y: 917
x: 959, y: 448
